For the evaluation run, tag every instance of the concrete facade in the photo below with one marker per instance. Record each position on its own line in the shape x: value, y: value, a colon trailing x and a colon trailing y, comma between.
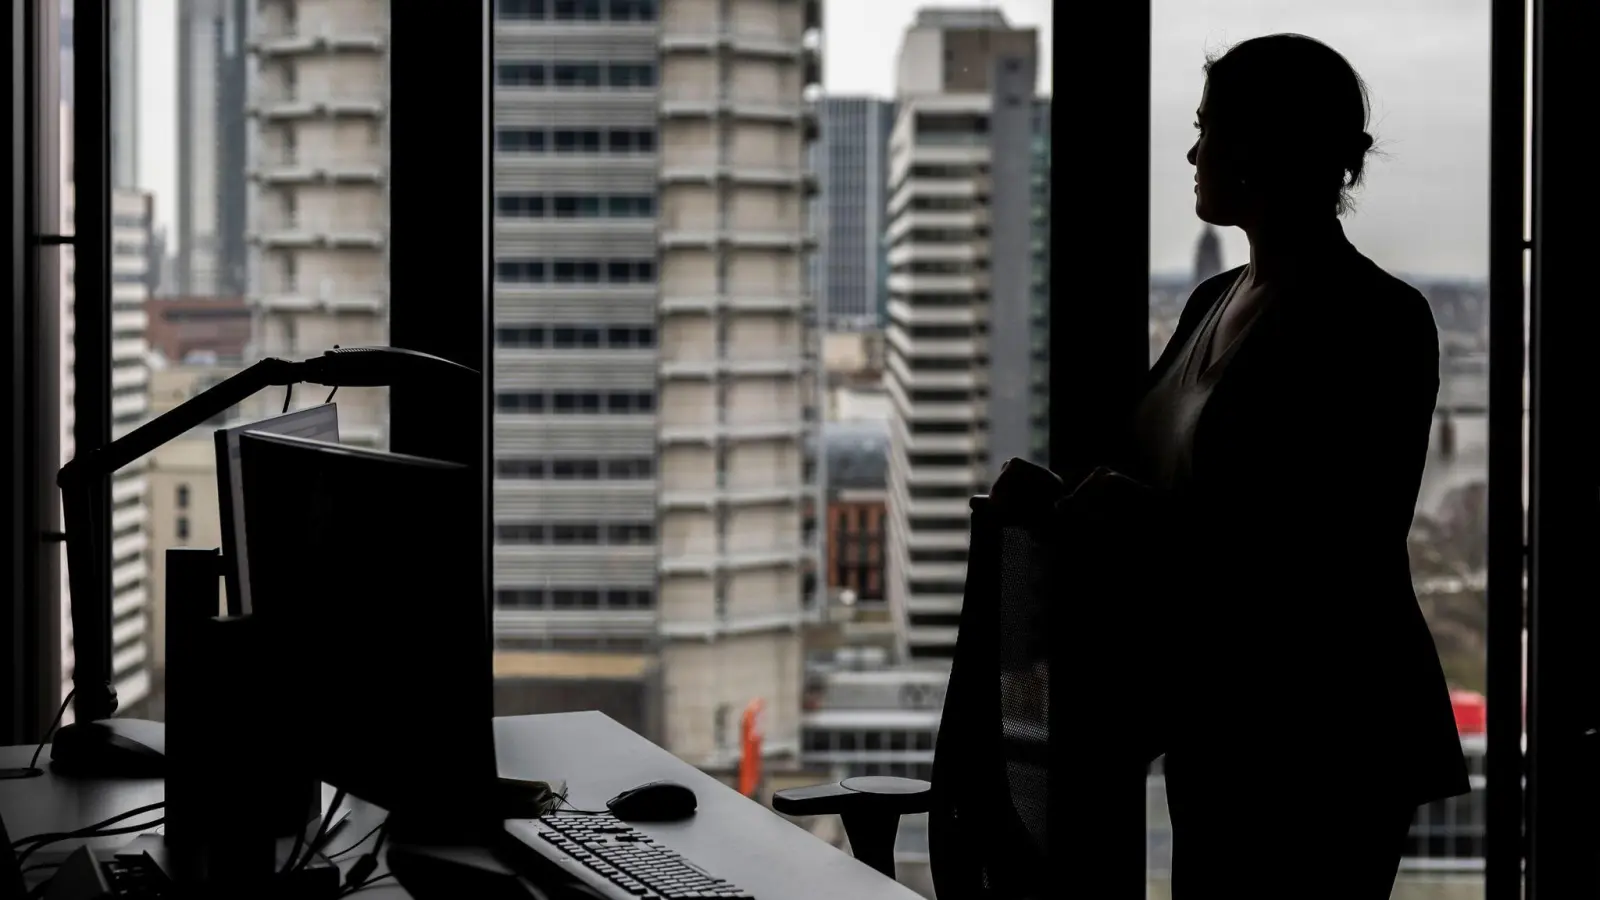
x: 963, y: 308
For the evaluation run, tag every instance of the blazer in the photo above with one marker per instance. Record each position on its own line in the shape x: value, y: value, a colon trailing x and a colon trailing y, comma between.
x: 1296, y: 629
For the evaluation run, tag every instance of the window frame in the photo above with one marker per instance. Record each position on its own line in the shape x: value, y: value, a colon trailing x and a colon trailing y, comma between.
x: 1563, y: 727
x: 1097, y: 360
x: 31, y: 332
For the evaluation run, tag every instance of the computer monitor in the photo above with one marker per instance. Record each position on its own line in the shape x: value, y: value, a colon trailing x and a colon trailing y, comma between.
x: 319, y: 423
x: 368, y: 578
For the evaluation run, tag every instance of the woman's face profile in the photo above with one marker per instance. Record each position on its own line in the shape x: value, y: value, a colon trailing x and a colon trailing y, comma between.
x: 1220, y: 196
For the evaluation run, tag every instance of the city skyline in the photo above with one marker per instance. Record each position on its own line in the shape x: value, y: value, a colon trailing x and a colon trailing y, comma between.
x: 850, y: 67
x: 1422, y: 211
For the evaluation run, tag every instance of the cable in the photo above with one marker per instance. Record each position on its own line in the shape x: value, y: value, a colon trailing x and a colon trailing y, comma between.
x: 33, y: 769
x: 360, y: 874
x: 87, y: 833
x: 322, y: 830
x: 57, y: 835
x: 363, y: 840
x: 573, y: 809
x: 335, y: 387
x: 349, y: 889
x: 294, y: 851
x: 288, y: 395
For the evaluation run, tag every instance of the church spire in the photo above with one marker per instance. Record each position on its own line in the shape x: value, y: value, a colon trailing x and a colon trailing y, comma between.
x: 1207, y: 255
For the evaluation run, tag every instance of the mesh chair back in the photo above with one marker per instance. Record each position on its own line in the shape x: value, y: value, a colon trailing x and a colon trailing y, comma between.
x: 991, y: 771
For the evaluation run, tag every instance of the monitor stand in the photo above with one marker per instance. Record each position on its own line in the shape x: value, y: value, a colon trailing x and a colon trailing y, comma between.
x: 110, y: 748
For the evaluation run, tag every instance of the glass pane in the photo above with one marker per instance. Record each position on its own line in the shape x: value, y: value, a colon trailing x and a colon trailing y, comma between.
x: 249, y: 221
x: 721, y: 226
x: 934, y: 284
x: 1421, y: 214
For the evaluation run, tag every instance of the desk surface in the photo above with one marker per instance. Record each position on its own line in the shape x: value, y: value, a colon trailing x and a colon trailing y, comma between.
x: 731, y: 836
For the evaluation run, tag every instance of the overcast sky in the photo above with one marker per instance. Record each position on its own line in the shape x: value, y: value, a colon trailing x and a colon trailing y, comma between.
x: 1426, y: 62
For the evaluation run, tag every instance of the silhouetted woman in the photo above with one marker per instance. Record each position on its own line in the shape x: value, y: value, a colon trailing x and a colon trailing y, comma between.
x: 1271, y: 465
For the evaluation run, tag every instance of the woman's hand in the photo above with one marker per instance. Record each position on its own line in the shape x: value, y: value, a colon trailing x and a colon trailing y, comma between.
x: 1112, y: 493
x: 1020, y: 480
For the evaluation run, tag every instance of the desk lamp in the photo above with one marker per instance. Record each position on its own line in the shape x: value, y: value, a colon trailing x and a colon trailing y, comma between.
x: 97, y: 745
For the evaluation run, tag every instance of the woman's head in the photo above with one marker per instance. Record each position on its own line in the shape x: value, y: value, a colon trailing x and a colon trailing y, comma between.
x: 1282, y: 132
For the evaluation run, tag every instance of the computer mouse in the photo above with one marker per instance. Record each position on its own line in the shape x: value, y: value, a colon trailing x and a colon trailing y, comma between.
x: 658, y: 801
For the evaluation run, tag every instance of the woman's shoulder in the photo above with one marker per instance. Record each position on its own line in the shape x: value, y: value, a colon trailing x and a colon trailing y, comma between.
x: 1379, y: 296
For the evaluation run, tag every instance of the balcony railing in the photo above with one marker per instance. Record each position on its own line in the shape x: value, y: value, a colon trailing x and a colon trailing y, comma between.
x: 344, y: 33
x: 786, y: 102
x: 682, y: 33
x: 737, y: 550
x: 269, y: 160
x: 320, y: 226
x: 283, y: 101
x: 696, y: 163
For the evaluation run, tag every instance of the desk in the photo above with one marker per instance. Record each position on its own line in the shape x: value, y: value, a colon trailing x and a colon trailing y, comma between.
x: 731, y: 836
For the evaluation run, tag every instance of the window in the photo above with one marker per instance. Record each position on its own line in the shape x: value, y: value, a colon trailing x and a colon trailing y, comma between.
x: 576, y: 75
x: 634, y: 472
x: 523, y: 271
x: 182, y: 496
x: 569, y: 337
x: 574, y: 271
x: 521, y: 74
x: 522, y: 10
x: 564, y: 205
x: 631, y: 140
x: 631, y: 75
x: 520, y: 140
x: 181, y: 528
x: 633, y: 10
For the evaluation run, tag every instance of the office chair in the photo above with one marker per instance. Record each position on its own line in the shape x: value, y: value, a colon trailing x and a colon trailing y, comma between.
x: 991, y: 768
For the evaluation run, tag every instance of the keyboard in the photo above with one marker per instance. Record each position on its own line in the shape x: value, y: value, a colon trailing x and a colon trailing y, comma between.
x: 634, y: 865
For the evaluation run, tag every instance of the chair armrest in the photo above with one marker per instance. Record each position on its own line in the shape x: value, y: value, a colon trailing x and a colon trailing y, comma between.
x: 870, y: 806
x: 870, y: 794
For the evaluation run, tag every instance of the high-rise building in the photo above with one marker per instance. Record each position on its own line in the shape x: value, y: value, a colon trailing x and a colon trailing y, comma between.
x: 124, y: 79
x: 1207, y: 255
x: 317, y: 257
x: 853, y: 176
x: 1039, y: 351
x: 576, y: 271
x: 212, y: 196
x: 737, y: 401
x: 130, y: 235
x: 652, y: 316
x: 963, y: 305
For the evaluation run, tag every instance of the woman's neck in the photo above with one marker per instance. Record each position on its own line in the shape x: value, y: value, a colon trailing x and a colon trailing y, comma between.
x: 1282, y: 249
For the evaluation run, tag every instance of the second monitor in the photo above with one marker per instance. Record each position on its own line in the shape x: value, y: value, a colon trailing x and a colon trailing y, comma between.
x: 369, y: 576
x: 319, y: 423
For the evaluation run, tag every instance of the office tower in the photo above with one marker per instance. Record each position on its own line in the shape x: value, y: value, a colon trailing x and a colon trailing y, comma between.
x: 211, y: 200
x: 317, y: 210
x: 960, y: 368
x: 737, y: 402
x: 652, y: 336
x: 130, y: 235
x: 1039, y: 351
x: 853, y: 172
x: 124, y: 79
x: 575, y: 109
x: 1207, y: 255
x: 67, y: 53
